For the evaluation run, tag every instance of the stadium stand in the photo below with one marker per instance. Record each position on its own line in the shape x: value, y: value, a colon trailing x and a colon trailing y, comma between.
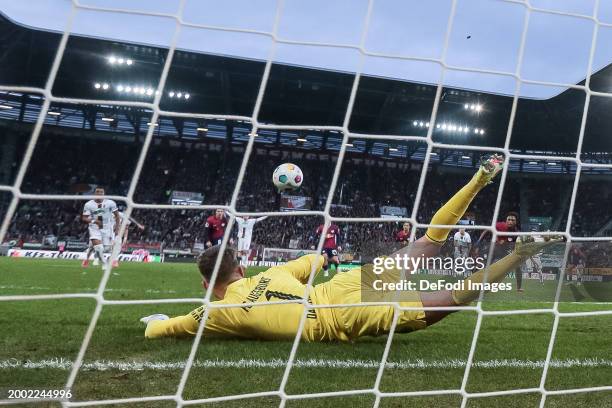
x: 204, y: 168
x: 85, y: 145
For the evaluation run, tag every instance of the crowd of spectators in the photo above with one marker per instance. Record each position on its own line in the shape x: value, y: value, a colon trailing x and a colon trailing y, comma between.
x: 592, y: 207
x: 61, y: 163
x: 35, y: 219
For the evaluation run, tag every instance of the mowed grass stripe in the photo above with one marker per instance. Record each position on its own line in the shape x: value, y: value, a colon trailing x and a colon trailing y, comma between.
x: 431, y: 359
x: 102, y: 365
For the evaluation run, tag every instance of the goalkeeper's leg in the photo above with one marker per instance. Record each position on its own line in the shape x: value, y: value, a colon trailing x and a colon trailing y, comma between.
x: 453, y: 210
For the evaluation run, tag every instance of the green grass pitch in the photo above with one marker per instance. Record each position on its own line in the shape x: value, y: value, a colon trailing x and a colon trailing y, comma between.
x: 40, y: 338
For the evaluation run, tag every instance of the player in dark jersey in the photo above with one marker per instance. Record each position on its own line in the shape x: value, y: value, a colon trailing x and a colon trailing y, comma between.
x: 403, y: 235
x: 505, y: 244
x: 214, y: 229
x: 331, y: 245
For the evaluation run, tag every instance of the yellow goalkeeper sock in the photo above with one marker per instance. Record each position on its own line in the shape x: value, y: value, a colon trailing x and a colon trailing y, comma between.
x: 495, y: 273
x: 453, y: 210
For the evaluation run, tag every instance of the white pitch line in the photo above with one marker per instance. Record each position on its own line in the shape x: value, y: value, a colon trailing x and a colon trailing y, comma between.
x: 67, y: 289
x: 103, y: 365
x: 172, y: 292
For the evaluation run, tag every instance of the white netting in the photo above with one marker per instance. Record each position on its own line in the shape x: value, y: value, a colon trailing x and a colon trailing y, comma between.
x: 231, y: 208
x: 283, y: 254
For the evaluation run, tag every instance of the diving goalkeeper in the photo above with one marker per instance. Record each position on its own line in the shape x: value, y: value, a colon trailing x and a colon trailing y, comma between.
x: 287, y: 282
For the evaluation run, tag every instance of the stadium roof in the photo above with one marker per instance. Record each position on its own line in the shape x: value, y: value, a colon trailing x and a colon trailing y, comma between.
x: 486, y: 34
x: 294, y: 95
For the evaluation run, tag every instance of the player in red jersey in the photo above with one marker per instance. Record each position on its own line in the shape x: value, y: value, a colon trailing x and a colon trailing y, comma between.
x: 331, y: 245
x: 403, y: 235
x: 215, y: 228
x: 505, y: 244
x: 511, y: 224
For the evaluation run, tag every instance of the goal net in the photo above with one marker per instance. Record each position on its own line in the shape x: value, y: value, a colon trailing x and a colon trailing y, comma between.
x: 357, y: 42
x: 283, y: 254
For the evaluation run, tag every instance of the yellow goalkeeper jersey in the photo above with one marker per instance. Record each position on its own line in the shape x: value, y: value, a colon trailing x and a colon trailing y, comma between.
x: 281, y: 321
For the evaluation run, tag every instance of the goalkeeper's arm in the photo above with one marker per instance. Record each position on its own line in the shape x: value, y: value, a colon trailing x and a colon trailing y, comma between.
x: 302, y: 267
x: 525, y: 248
x: 159, y: 325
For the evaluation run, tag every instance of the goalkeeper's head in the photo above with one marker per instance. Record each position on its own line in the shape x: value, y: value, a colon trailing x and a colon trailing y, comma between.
x: 230, y: 269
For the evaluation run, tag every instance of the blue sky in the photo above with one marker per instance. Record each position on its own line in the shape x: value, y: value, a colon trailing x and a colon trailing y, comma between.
x: 556, y: 50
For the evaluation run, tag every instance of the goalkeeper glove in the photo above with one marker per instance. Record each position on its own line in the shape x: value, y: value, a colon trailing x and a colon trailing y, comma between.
x: 526, y: 246
x: 147, y: 319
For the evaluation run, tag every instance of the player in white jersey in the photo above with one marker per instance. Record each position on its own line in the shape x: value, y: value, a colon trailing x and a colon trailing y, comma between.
x: 118, y: 244
x: 245, y: 233
x: 102, y: 217
x: 463, y: 244
x: 534, y: 262
x: 576, y: 264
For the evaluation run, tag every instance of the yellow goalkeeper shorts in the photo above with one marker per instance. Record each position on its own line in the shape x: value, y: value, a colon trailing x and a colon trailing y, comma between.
x: 368, y: 320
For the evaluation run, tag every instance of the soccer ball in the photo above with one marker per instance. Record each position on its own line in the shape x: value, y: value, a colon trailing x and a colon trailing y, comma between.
x: 287, y: 177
